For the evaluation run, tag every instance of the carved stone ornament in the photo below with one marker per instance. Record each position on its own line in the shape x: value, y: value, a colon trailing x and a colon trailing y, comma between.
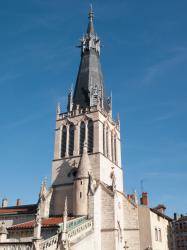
x: 92, y: 185
x: 113, y: 177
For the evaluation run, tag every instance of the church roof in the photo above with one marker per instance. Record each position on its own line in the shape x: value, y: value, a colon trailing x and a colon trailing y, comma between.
x: 24, y: 209
x: 46, y: 222
x: 161, y: 214
x: 89, y: 88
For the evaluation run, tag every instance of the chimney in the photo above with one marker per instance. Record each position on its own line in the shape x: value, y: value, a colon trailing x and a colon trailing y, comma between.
x: 144, y: 199
x: 175, y: 216
x: 18, y: 202
x: 5, y: 202
x: 161, y: 208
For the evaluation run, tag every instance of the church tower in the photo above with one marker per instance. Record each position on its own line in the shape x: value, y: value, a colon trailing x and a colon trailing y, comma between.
x: 85, y: 207
x: 88, y: 120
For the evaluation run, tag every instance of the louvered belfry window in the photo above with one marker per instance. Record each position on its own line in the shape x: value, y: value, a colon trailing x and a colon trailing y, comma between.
x: 82, y: 137
x: 112, y: 146
x: 104, y: 139
x: 71, y: 139
x: 115, y: 150
x: 63, y: 141
x: 90, y: 136
x: 107, y: 142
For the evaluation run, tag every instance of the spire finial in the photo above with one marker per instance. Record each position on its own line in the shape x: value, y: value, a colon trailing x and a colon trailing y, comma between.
x: 65, y: 209
x: 90, y: 24
x: 65, y: 216
x: 58, y: 108
x: 65, y: 239
x: 91, y: 13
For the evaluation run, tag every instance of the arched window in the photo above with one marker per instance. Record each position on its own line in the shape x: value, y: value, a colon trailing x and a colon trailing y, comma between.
x: 82, y: 137
x: 104, y: 152
x: 115, y: 150
x: 63, y: 141
x: 71, y: 139
x: 159, y: 235
x: 107, y: 141
x: 112, y: 146
x: 90, y: 136
x: 156, y: 234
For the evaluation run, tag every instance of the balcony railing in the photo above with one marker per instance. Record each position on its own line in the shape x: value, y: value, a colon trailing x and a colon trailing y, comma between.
x: 16, y: 246
x: 75, y: 228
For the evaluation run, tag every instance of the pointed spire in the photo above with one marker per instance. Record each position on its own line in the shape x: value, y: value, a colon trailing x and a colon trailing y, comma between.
x: 65, y: 216
x: 90, y: 75
x: 84, y: 165
x: 65, y: 239
x: 118, y: 120
x: 58, y: 108
x: 90, y: 29
x: 38, y: 223
x: 43, y: 189
x: 135, y: 197
x: 70, y: 99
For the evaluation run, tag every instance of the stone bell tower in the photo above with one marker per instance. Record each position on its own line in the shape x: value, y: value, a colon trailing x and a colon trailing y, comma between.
x: 87, y: 121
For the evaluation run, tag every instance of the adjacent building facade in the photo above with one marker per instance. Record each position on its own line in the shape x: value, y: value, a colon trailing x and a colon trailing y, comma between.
x: 180, y: 232
x: 155, y: 227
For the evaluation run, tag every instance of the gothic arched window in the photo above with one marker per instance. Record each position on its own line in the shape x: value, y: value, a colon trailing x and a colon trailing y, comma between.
x: 90, y: 136
x: 104, y: 139
x: 71, y: 139
x: 63, y: 141
x: 107, y: 141
x: 115, y: 150
x: 112, y: 146
x: 82, y: 137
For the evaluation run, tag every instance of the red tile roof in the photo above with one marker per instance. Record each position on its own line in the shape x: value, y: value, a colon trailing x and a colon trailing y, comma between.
x: 16, y: 210
x: 26, y: 209
x: 48, y: 222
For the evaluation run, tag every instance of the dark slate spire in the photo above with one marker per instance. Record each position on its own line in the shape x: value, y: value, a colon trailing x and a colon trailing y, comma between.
x: 89, y: 89
x: 90, y: 29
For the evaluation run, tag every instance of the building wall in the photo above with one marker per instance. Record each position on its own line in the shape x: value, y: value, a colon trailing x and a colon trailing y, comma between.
x: 107, y: 220
x: 180, y: 233
x: 58, y: 199
x: 87, y: 243
x: 162, y: 225
x: 131, y: 225
x: 145, y: 227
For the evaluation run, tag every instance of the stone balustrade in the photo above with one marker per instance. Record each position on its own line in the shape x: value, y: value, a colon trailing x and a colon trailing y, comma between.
x: 50, y: 243
x: 16, y: 246
x: 80, y: 230
x: 76, y: 228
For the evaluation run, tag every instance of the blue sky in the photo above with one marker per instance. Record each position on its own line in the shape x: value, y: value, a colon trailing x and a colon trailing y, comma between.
x: 144, y: 61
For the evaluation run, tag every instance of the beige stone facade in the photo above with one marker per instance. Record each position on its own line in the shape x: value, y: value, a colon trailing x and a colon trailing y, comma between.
x: 155, y: 229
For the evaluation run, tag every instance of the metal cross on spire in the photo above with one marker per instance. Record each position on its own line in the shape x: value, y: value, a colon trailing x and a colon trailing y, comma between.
x: 90, y: 29
x: 126, y: 246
